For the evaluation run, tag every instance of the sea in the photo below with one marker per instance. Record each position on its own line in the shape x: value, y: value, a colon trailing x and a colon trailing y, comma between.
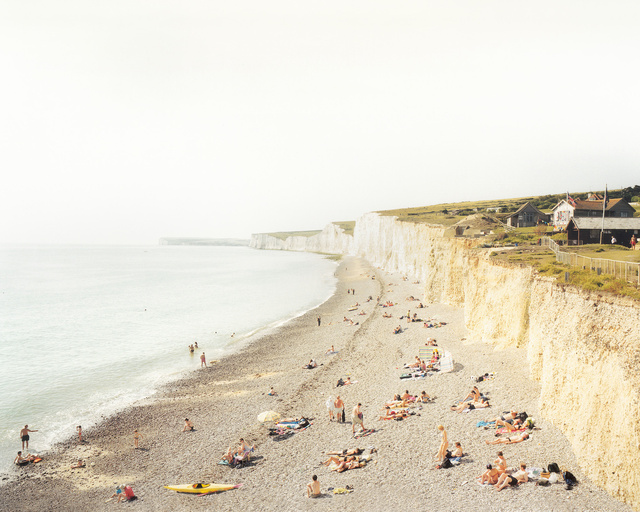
x: 86, y: 331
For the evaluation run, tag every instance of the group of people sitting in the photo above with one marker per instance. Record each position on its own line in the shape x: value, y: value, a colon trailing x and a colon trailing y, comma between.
x: 474, y: 400
x: 239, y: 454
x: 497, y: 475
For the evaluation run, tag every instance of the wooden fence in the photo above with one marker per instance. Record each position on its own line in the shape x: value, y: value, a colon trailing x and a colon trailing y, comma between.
x: 629, y: 271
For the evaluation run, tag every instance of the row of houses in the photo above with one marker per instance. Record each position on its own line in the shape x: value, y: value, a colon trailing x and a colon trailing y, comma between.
x: 593, y: 220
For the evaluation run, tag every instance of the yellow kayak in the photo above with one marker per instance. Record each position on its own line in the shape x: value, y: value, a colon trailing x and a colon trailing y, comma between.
x: 201, y: 488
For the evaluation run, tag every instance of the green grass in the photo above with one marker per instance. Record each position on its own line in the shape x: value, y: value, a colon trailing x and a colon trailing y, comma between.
x: 607, y: 252
x: 544, y: 261
x: 347, y: 225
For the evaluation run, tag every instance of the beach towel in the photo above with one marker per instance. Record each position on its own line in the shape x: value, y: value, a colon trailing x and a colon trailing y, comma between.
x: 446, y: 363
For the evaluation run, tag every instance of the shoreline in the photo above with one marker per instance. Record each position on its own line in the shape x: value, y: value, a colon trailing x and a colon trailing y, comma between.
x: 153, y: 371
x: 223, y: 403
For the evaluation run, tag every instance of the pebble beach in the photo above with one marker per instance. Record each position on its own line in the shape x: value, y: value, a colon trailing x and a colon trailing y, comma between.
x: 224, y: 400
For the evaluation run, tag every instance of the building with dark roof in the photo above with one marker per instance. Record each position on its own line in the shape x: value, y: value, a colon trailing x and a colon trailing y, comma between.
x: 586, y: 230
x: 526, y: 216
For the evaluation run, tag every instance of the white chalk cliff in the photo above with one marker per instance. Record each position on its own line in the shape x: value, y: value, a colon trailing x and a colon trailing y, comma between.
x: 583, y: 347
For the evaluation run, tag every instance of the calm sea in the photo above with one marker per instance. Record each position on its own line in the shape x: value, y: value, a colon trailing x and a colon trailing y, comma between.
x: 88, y: 330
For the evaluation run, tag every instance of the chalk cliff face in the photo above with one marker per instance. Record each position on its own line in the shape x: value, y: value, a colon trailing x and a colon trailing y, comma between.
x: 331, y: 240
x: 583, y: 348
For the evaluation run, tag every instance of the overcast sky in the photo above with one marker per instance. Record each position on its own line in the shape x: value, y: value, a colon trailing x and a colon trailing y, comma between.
x: 122, y: 121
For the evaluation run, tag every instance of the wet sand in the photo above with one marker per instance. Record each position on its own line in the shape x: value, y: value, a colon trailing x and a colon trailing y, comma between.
x: 223, y: 402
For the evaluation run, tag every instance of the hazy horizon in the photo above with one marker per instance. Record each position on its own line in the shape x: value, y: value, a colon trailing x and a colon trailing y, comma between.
x: 129, y: 121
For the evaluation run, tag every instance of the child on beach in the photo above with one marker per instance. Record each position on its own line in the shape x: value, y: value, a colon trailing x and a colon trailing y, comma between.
x: 203, y: 361
x: 188, y: 426
x: 136, y: 437
x: 313, y: 489
x: 79, y: 429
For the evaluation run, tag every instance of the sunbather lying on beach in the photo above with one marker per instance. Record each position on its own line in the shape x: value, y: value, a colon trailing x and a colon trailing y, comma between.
x: 386, y: 315
x: 310, y: 365
x: 509, y: 440
x: 79, y: 464
x: 391, y: 414
x: 343, y: 466
x: 515, y: 425
x: 463, y: 406
x: 351, y: 451
x: 519, y: 477
x: 490, y: 476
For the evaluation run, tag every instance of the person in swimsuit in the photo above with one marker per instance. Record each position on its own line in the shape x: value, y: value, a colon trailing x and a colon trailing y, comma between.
x: 23, y: 461
x: 79, y: 429
x: 313, y: 489
x: 338, y: 408
x: 457, y: 453
x: 24, y: 435
x: 188, y: 426
x: 519, y: 477
x: 443, y: 445
x: 500, y: 463
x: 490, y: 476
x: 357, y: 418
x: 203, y: 361
x: 510, y: 440
x: 136, y: 438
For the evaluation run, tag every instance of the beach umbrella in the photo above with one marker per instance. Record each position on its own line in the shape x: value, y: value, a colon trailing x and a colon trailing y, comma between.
x: 268, y: 416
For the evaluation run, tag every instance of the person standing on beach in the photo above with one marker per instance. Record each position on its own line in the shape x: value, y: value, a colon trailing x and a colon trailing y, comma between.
x: 203, y: 361
x: 24, y: 436
x: 338, y: 408
x: 443, y: 445
x: 357, y: 418
x: 79, y: 429
x: 318, y: 321
x: 136, y: 438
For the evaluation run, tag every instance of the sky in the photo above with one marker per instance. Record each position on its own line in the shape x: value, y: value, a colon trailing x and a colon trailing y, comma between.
x: 124, y: 121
